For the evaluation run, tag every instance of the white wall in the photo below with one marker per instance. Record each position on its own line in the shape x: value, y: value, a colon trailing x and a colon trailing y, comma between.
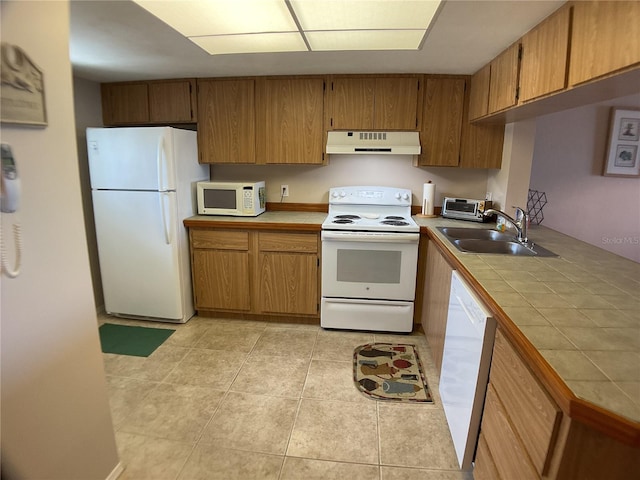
x: 310, y: 184
x: 568, y: 160
x: 56, y: 422
x: 88, y: 113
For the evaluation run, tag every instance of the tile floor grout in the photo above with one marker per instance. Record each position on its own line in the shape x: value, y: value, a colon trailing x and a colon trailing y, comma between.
x: 240, y: 450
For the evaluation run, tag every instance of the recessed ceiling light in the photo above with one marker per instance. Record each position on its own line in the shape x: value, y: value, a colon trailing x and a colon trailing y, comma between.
x: 260, y: 26
x: 251, y: 43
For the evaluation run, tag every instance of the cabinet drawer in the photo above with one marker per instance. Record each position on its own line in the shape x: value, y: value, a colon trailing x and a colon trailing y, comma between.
x: 534, y: 415
x: 484, y: 468
x: 510, y: 457
x: 221, y: 240
x: 288, y: 242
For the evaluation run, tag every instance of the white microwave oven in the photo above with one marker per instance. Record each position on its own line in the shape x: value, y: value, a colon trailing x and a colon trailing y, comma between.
x: 230, y: 198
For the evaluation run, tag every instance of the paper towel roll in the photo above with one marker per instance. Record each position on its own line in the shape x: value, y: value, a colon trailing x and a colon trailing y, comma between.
x: 428, y: 198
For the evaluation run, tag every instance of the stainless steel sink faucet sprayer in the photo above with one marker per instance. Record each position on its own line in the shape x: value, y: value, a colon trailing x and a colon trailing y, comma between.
x: 520, y: 223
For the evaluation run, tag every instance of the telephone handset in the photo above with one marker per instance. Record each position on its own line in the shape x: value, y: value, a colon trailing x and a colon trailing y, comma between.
x: 9, y: 203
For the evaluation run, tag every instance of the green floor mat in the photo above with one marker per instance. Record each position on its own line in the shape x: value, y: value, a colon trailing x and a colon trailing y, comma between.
x: 135, y: 341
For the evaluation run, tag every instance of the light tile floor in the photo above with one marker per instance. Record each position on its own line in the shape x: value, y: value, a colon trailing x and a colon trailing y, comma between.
x: 234, y: 399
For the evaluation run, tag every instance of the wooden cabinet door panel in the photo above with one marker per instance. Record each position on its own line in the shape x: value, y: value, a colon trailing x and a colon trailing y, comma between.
x: 288, y: 283
x: 481, y: 145
x: 226, y: 121
x: 171, y: 102
x: 437, y: 285
x: 396, y: 104
x: 604, y: 38
x: 293, y: 125
x: 125, y: 103
x: 479, y: 94
x: 352, y: 103
x: 504, y: 79
x: 484, y: 467
x: 442, y: 122
x: 221, y: 280
x: 220, y: 240
x: 510, y: 457
x: 543, y: 67
x: 288, y: 242
x: 534, y: 415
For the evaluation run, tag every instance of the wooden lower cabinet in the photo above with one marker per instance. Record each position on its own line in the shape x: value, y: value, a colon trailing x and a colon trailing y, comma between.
x: 288, y: 269
x: 254, y: 272
x: 437, y: 285
x: 220, y: 269
x: 525, y: 435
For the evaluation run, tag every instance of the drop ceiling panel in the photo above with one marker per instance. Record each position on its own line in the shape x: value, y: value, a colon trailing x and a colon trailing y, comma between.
x: 365, y: 40
x: 252, y: 43
x: 364, y: 14
x: 222, y: 17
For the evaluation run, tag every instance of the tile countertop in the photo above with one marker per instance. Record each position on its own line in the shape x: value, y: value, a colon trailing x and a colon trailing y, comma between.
x: 580, y: 310
x: 309, y: 220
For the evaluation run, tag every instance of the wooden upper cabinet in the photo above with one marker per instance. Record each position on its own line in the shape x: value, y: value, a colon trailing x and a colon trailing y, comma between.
x: 125, y: 103
x: 544, y: 62
x: 290, y: 120
x: 503, y: 87
x: 374, y: 103
x: 396, y: 103
x: 154, y: 102
x: 481, y: 145
x: 353, y: 103
x: 226, y: 121
x: 604, y: 38
x: 172, y: 101
x: 442, y: 122
x: 479, y: 93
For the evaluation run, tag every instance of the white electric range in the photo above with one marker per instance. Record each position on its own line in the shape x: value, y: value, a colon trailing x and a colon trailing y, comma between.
x: 369, y: 259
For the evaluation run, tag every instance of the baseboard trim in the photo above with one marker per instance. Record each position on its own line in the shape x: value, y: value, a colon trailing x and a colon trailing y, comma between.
x: 116, y: 472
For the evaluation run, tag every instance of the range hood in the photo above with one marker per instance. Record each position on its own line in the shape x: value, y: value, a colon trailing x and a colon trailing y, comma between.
x: 378, y: 143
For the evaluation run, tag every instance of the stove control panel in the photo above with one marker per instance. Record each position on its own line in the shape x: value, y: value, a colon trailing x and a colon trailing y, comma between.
x: 370, y: 196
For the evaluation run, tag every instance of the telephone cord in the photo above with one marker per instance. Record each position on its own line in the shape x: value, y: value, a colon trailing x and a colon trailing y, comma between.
x: 17, y: 235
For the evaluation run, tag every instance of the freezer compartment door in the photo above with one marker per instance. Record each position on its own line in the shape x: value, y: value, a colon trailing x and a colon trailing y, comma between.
x: 138, y: 248
x: 136, y: 158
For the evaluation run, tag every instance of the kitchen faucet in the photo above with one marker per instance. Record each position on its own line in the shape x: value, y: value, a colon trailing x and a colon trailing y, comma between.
x: 520, y: 224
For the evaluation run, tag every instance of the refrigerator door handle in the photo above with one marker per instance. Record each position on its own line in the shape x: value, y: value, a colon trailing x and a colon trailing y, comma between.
x: 160, y: 154
x: 165, y: 223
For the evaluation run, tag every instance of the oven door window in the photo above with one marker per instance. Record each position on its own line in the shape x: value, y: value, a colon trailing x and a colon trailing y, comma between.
x: 372, y: 270
x: 370, y: 266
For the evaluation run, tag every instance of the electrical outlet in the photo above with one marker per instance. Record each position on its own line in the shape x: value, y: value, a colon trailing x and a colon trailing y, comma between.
x: 284, y: 190
x: 488, y: 196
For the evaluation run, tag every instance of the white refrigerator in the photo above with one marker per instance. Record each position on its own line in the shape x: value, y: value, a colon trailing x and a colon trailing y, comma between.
x: 143, y: 186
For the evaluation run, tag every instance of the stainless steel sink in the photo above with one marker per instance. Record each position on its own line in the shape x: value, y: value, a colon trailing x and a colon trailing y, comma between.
x: 474, y: 240
x: 503, y: 247
x: 475, y: 233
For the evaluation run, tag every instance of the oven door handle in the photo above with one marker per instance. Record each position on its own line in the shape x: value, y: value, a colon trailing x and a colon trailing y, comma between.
x: 370, y: 237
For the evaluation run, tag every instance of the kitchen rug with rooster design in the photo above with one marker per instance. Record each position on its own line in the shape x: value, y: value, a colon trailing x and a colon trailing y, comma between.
x: 390, y: 371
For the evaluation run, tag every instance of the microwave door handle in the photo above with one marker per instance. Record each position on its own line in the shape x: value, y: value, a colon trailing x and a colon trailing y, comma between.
x: 165, y: 225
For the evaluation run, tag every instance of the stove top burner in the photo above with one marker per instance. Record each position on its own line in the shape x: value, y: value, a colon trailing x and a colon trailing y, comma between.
x: 393, y: 217
x: 348, y: 217
x: 395, y: 223
x: 343, y: 221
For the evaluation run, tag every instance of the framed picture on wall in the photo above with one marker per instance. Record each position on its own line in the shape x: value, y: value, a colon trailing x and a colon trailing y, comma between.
x: 624, y: 144
x: 22, y: 89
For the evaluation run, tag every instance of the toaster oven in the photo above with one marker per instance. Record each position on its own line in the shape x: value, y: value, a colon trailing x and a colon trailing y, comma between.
x: 465, y: 209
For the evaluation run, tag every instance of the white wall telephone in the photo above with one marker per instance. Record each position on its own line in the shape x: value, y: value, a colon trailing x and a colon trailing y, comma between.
x: 9, y: 203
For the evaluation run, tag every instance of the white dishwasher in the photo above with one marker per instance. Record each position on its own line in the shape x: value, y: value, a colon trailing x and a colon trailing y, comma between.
x: 468, y: 346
